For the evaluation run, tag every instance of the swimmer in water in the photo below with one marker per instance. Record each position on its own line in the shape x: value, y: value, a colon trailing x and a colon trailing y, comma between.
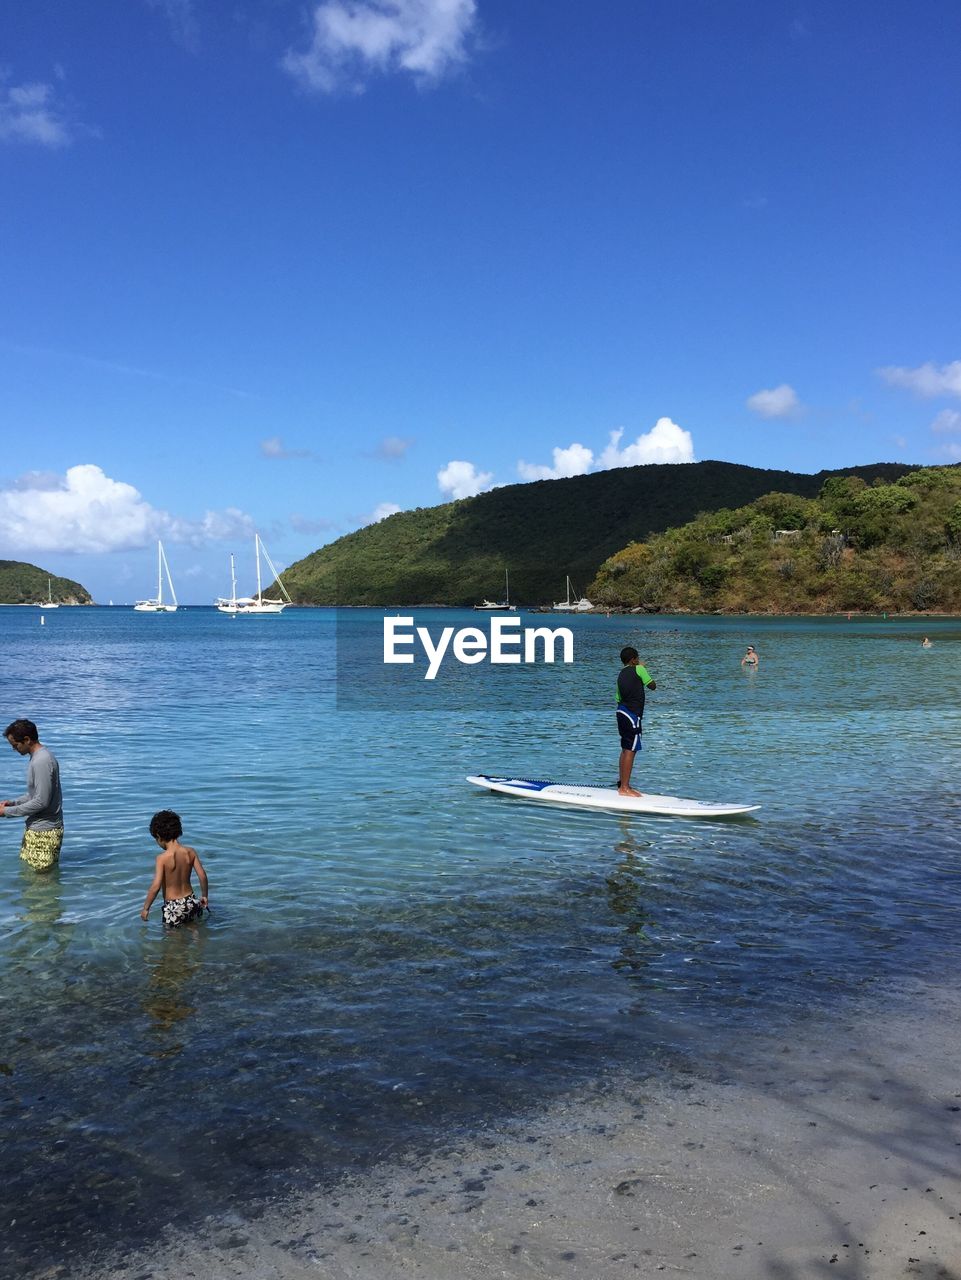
x: 926, y: 643
x: 750, y: 659
x: 172, y: 873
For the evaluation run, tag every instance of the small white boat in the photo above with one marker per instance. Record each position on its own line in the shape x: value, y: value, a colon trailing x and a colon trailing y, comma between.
x: 158, y: 604
x: 573, y: 606
x: 225, y: 605
x: 256, y: 605
x: 49, y: 603
x: 493, y: 606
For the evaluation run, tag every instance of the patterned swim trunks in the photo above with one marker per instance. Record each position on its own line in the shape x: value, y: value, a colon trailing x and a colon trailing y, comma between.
x: 41, y: 849
x: 178, y: 911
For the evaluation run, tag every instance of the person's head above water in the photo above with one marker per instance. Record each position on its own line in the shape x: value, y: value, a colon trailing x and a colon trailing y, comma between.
x: 166, y: 826
x: 21, y: 731
x: 22, y: 736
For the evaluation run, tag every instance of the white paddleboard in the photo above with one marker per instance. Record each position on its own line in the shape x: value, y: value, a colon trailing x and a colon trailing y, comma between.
x: 607, y: 798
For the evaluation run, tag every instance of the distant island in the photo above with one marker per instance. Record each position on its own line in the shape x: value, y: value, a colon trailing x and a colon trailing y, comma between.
x: 855, y: 547
x: 22, y: 583
x: 456, y: 553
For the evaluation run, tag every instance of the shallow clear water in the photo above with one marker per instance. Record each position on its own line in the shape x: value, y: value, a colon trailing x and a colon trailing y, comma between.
x: 391, y: 953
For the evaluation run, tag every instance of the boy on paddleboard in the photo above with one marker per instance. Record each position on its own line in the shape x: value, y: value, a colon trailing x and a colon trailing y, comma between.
x: 632, y: 682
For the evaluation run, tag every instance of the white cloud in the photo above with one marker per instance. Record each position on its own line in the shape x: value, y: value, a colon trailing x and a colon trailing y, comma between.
x: 216, y: 526
x: 778, y: 402
x: 947, y: 420
x: 86, y: 511
x: 36, y: 480
x: 927, y: 380
x: 353, y: 40
x: 952, y: 451
x: 463, y: 480
x: 665, y: 442
x: 575, y: 460
x: 274, y: 447
x: 30, y: 113
x: 381, y: 512
x: 392, y: 448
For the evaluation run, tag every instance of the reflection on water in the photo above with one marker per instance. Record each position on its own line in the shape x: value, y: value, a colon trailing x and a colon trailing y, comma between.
x: 628, y: 895
x: 173, y: 993
x: 40, y: 935
x: 41, y: 899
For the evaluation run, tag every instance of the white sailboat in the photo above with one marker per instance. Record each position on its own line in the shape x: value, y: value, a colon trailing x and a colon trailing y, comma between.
x: 49, y: 603
x: 573, y: 606
x: 223, y: 604
x: 492, y: 606
x: 256, y: 605
x: 158, y: 604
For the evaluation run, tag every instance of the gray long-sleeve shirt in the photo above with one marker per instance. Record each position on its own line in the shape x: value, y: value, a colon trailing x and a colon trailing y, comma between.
x: 42, y: 806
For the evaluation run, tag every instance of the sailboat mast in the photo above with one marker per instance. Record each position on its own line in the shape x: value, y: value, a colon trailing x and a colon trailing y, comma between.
x: 233, y: 582
x: 507, y: 586
x: 160, y: 581
x: 170, y: 581
x: 257, y: 545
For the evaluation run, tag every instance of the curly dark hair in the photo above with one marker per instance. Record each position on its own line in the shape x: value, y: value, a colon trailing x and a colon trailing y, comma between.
x: 166, y: 826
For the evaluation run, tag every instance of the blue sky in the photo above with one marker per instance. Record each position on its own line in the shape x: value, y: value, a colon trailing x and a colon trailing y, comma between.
x: 291, y: 266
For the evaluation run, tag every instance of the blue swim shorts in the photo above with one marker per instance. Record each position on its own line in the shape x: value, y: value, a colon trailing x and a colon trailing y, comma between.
x: 629, y: 727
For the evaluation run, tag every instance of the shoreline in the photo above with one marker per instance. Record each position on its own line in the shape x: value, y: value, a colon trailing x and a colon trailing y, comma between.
x: 599, y: 611
x: 829, y: 1149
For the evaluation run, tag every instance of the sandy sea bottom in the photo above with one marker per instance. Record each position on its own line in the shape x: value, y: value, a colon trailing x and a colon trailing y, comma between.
x: 829, y: 1150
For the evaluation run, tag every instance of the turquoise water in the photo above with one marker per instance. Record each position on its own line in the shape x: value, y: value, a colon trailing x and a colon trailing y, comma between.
x: 393, y: 955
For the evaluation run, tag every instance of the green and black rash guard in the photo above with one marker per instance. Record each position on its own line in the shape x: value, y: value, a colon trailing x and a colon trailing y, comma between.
x: 631, y: 683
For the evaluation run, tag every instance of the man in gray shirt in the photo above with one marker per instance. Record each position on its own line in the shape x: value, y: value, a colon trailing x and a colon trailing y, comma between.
x: 42, y: 806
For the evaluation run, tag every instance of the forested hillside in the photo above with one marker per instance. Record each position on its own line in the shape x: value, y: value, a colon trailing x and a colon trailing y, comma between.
x: 22, y: 583
x: 892, y: 547
x: 457, y: 553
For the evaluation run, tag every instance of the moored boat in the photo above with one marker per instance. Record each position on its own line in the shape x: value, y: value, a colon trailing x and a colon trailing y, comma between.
x: 570, y: 605
x: 158, y: 604
x: 259, y: 604
x: 494, y: 606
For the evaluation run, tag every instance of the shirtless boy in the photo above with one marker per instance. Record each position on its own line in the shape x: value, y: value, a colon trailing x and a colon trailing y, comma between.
x: 172, y: 875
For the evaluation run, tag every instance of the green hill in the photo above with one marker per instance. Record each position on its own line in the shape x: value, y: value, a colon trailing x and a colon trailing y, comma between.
x: 22, y: 583
x: 457, y: 553
x: 893, y: 547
